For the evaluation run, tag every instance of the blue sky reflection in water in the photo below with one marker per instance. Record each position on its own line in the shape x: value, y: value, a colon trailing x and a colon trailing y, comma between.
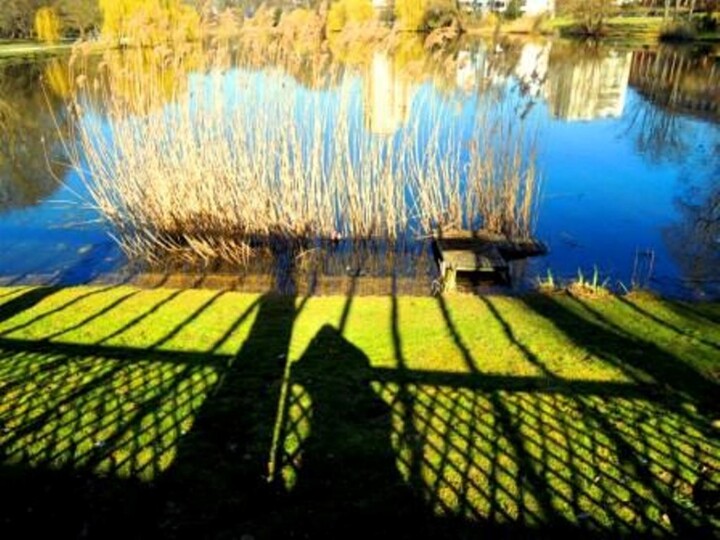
x: 627, y: 165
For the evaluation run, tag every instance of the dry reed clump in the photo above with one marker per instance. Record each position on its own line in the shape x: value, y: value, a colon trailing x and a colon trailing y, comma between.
x: 228, y: 160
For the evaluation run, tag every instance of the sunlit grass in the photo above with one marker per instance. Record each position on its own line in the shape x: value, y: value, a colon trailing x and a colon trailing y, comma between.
x: 532, y: 411
x: 15, y: 48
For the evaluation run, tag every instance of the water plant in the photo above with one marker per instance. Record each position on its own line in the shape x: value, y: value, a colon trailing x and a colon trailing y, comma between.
x: 189, y: 157
x: 548, y: 283
x: 592, y: 286
x: 643, y: 267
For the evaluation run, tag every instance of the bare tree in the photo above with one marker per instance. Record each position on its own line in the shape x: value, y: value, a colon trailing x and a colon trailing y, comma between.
x: 589, y: 14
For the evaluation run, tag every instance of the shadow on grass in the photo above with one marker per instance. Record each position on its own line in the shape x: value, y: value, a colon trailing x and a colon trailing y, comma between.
x: 701, y: 312
x: 103, y: 441
x: 24, y: 301
x: 639, y: 360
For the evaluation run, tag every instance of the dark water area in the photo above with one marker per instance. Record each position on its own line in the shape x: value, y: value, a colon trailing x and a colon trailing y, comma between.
x: 627, y: 143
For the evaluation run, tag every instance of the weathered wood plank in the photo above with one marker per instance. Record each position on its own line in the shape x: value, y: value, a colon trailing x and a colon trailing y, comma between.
x: 481, y: 259
x: 477, y: 241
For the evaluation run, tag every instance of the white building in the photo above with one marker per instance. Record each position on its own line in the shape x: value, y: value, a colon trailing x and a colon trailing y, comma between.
x: 527, y: 7
x: 538, y: 7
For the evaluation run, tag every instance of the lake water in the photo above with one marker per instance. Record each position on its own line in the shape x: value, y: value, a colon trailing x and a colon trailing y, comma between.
x: 627, y: 143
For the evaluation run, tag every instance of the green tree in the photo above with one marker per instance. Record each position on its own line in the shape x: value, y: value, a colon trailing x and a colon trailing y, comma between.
x: 78, y: 17
x: 348, y: 11
x: 148, y: 22
x: 410, y: 14
x: 17, y: 18
x: 513, y: 10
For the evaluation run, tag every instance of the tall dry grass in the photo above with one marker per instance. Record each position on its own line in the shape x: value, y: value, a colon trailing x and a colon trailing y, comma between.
x: 191, y: 158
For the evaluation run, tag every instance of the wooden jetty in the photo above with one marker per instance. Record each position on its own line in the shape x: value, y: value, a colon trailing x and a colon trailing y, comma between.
x: 481, y: 253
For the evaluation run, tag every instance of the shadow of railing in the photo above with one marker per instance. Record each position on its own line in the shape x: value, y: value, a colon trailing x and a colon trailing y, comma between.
x: 104, y: 439
x: 638, y: 359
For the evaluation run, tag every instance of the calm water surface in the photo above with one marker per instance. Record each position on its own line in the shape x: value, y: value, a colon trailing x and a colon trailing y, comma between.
x: 627, y: 141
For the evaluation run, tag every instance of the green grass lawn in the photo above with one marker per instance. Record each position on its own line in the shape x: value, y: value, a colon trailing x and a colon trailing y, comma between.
x: 197, y: 413
x: 634, y: 29
x: 12, y: 48
x: 638, y: 29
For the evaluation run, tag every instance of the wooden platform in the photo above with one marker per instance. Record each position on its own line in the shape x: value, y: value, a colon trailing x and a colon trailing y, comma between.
x: 477, y: 258
x: 481, y: 252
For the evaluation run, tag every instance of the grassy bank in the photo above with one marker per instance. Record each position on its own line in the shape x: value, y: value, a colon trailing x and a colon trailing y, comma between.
x: 634, y: 29
x: 129, y: 412
x: 13, y: 48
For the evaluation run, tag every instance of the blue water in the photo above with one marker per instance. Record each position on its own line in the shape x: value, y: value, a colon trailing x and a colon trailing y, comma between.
x: 625, y: 181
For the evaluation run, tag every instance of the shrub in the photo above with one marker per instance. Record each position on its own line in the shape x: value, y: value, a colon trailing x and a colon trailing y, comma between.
x: 348, y: 11
x: 678, y: 31
x: 410, y: 14
x: 540, y: 24
x: 149, y: 22
x: 513, y: 10
x: 490, y: 20
x: 336, y: 17
x: 302, y: 28
x: 707, y: 23
x: 439, y: 15
x: 589, y: 15
x: 47, y: 25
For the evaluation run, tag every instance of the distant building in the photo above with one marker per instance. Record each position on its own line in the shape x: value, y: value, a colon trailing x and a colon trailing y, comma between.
x: 538, y: 7
x: 589, y: 88
x: 528, y: 7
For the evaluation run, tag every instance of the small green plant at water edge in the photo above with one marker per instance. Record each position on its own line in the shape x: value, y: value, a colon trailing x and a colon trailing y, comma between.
x: 548, y: 283
x: 596, y: 277
x: 592, y: 286
x: 643, y: 267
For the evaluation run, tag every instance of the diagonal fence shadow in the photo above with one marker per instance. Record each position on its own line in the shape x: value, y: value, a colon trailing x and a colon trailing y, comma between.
x: 115, y: 441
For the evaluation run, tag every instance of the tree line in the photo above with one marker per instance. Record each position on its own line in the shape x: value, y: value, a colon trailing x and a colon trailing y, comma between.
x: 74, y: 18
x: 52, y: 19
x: 30, y: 19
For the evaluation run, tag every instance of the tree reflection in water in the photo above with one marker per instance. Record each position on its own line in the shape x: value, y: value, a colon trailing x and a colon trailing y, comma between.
x: 29, y: 130
x: 674, y: 83
x: 694, y: 240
